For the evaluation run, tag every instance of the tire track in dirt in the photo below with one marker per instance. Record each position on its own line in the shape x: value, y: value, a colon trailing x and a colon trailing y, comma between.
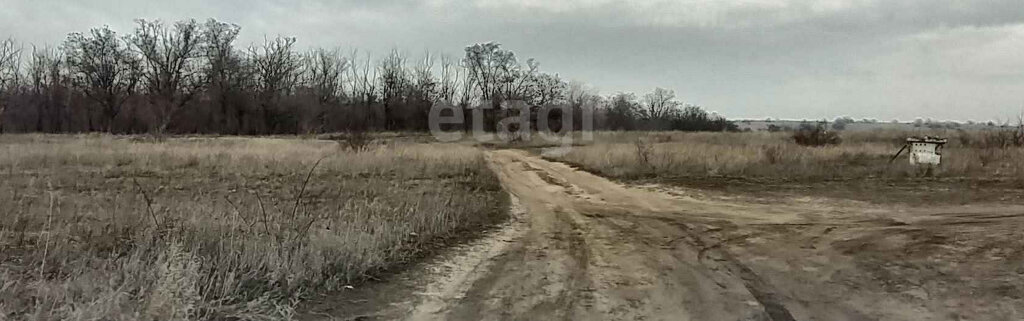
x: 581, y: 247
x: 646, y: 278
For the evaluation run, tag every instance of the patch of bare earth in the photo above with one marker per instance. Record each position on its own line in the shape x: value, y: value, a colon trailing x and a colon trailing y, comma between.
x: 582, y: 247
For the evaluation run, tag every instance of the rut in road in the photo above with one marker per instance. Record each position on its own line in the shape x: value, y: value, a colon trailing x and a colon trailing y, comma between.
x: 595, y: 249
x: 581, y: 247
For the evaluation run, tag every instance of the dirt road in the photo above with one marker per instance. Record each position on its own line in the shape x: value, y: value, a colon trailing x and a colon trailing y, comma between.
x: 581, y: 247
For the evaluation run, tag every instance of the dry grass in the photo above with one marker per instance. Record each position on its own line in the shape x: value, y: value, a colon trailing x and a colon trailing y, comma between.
x: 114, y: 228
x: 775, y: 156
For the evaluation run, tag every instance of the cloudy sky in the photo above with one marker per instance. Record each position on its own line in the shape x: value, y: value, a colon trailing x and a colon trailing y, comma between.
x: 885, y: 59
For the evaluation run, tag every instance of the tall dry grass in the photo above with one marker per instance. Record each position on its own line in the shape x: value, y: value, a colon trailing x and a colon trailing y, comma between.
x: 776, y: 156
x: 113, y: 228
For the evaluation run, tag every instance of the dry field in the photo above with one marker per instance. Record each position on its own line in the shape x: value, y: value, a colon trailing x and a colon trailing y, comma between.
x: 118, y: 228
x: 582, y: 247
x: 708, y: 226
x: 762, y: 162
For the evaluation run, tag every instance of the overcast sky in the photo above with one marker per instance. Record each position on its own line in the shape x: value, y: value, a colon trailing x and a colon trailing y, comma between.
x: 885, y: 59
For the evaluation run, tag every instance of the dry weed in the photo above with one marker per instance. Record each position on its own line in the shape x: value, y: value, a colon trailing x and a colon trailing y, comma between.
x: 113, y: 228
x: 776, y: 156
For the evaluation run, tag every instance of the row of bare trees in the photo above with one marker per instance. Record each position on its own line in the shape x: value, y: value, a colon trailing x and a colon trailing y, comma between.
x: 659, y: 110
x: 189, y: 77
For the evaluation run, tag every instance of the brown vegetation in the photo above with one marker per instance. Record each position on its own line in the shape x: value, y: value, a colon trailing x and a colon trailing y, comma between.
x: 776, y: 156
x: 816, y: 135
x: 122, y: 228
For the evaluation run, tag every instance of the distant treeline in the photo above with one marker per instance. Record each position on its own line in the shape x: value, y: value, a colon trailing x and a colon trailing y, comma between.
x: 188, y: 77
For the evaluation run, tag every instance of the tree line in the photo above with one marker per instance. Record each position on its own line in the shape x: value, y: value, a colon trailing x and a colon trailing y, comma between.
x: 190, y: 77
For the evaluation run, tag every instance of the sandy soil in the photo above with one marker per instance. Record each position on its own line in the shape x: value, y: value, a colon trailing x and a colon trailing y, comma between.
x: 581, y: 247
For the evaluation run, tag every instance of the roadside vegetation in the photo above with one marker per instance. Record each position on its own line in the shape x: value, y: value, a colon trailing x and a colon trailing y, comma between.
x: 129, y: 228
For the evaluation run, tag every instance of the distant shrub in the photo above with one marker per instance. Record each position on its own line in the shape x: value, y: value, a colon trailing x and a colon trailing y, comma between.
x: 356, y: 140
x: 817, y: 135
x: 841, y: 122
x: 1001, y: 138
x: 772, y: 128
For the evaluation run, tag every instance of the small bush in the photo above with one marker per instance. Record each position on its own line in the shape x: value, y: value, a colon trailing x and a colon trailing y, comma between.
x: 773, y: 128
x: 809, y: 135
x: 643, y: 152
x: 356, y: 140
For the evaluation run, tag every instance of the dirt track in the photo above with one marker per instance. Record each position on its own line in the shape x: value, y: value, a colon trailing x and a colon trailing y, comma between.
x: 581, y: 247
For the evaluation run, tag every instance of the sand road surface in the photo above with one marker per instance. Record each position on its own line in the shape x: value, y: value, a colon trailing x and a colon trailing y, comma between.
x: 581, y: 247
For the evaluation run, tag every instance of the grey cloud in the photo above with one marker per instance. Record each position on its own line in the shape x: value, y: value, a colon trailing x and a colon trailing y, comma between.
x: 881, y: 59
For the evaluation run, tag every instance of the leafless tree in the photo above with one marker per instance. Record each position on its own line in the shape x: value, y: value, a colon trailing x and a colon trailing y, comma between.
x: 491, y: 69
x: 10, y: 62
x: 393, y: 82
x: 517, y: 82
x: 659, y: 103
x: 582, y: 99
x: 360, y: 84
x: 324, y: 74
x: 622, y: 111
x: 422, y: 92
x: 225, y: 73
x: 278, y: 66
x: 498, y: 77
x: 169, y: 63
x: 547, y: 89
x: 278, y: 69
x: 423, y: 80
x: 190, y: 74
x: 105, y: 69
x: 450, y: 76
x: 48, y: 87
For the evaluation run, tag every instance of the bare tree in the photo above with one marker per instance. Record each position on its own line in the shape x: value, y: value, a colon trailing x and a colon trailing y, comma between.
x: 393, y: 82
x: 363, y: 82
x: 48, y: 87
x: 497, y: 76
x: 278, y: 69
x: 659, y: 103
x: 423, y: 81
x: 516, y: 81
x: 582, y: 99
x: 422, y: 92
x: 547, y: 89
x: 225, y: 73
x: 362, y: 91
x: 324, y: 76
x: 623, y: 109
x: 169, y: 64
x: 105, y: 69
x: 491, y: 70
x: 450, y: 76
x: 10, y: 62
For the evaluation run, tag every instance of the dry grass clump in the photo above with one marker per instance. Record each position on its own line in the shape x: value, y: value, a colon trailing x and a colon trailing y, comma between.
x: 776, y: 156
x: 112, y: 228
x: 989, y: 139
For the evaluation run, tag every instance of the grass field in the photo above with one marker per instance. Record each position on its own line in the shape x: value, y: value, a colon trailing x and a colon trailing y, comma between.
x: 761, y: 159
x: 121, y: 228
x: 126, y: 228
